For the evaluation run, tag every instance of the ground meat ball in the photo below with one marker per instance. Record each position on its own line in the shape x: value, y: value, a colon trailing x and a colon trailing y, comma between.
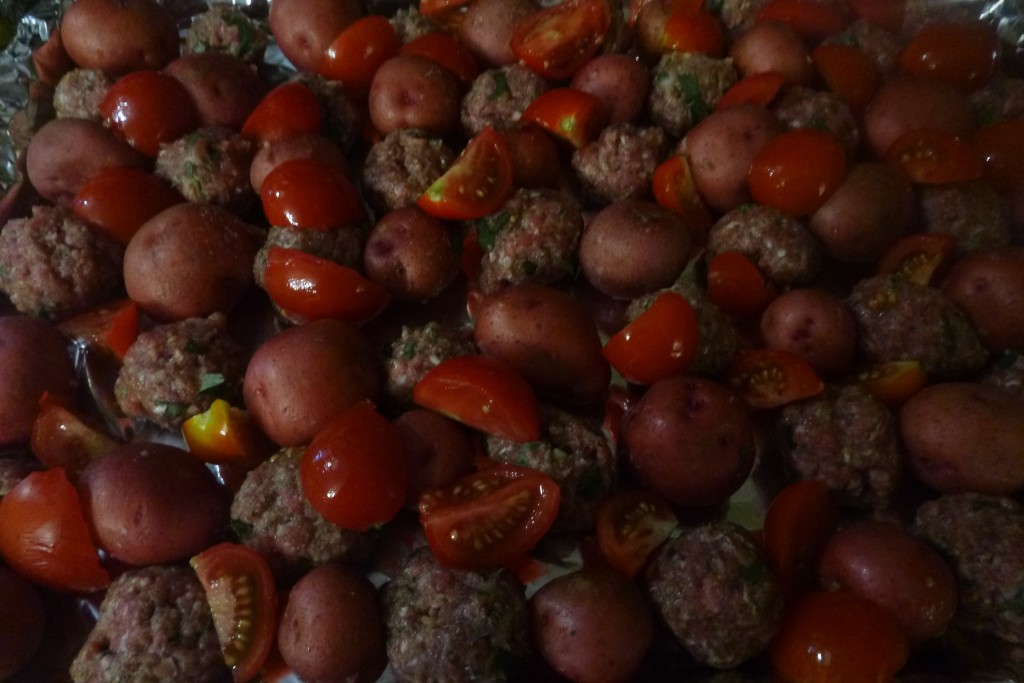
x: 343, y: 120
x: 900, y: 320
x: 454, y: 626
x: 739, y: 15
x: 175, y: 371
x: 409, y: 24
x: 971, y: 211
x: 983, y: 539
x: 498, y: 97
x: 226, y: 28
x: 574, y: 454
x: 54, y: 265
x: 801, y: 107
x: 714, y: 590
x: 343, y: 246
x: 685, y: 87
x: 1007, y: 373
x: 1000, y: 99
x: 534, y: 237
x: 13, y: 470
x: 620, y: 163
x: 271, y: 515
x: 210, y: 165
x: 417, y: 350
x: 882, y: 47
x: 154, y: 626
x: 782, y: 247
x: 401, y: 166
x: 847, y: 439
x: 79, y: 92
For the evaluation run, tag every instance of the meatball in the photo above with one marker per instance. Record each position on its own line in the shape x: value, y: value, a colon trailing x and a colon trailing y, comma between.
x: 154, y: 625
x: 1007, y: 373
x: 401, y: 166
x: 1000, y: 99
x: 454, y: 626
x: 225, y: 28
x: 175, y: 371
x: 881, y: 46
x: 739, y: 15
x: 847, y: 439
x: 971, y: 211
x: 409, y: 24
x: 534, y: 237
x: 54, y: 265
x: 685, y: 87
x: 620, y: 163
x: 900, y: 320
x: 713, y: 589
x: 497, y: 97
x: 211, y: 166
x: 802, y: 107
x: 79, y: 92
x: 271, y: 515
x: 782, y: 247
x: 575, y: 455
x: 416, y: 351
x: 340, y: 245
x: 343, y: 119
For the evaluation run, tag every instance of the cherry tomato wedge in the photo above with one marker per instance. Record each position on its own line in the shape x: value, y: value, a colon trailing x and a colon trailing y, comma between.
x: 44, y: 537
x: 1000, y: 146
x: 631, y: 525
x: 354, y: 471
x: 445, y: 51
x: 760, y: 88
x: 799, y: 521
x: 688, y: 30
x: 848, y: 72
x: 811, y: 19
x: 490, y: 518
x: 484, y: 393
x: 963, y: 53
x: 148, y: 109
x: 308, y: 287
x: 62, y: 438
x: 661, y: 342
x: 556, y: 41
x: 769, y: 378
x: 798, y: 170
x: 439, y: 8
x: 310, y: 194
x: 100, y: 201
x: 894, y: 382
x: 288, y: 109
x: 674, y: 188
x: 920, y: 257
x: 572, y: 115
x: 354, y: 55
x: 476, y: 184
x: 113, y: 327
x: 736, y: 285
x: 225, y: 434
x: 933, y: 157
x: 243, y: 600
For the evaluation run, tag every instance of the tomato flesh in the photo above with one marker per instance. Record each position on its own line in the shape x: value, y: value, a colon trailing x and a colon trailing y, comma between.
x: 288, y: 109
x: 920, y: 257
x: 769, y: 378
x: 736, y: 285
x: 476, y: 184
x: 662, y: 341
x: 798, y: 170
x: 62, y: 438
x: 674, y: 188
x: 225, y: 434
x: 112, y: 328
x: 631, y: 525
x: 572, y: 115
x: 894, y: 382
x: 932, y: 157
x: 355, y: 54
x: 759, y: 88
x: 798, y: 522
x: 556, y: 41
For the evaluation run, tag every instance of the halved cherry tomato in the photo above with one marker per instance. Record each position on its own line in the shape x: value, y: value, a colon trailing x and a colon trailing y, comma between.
x: 674, y: 188
x: 489, y: 518
x: 62, y: 438
x: 119, y: 200
x: 243, y: 601
x: 307, y: 287
x: 768, y: 378
x: 572, y: 115
x: 760, y: 88
x: 963, y: 53
x: 920, y: 257
x: 894, y: 382
x: 848, y: 72
x: 149, y: 108
x: 661, y: 342
x: 113, y: 327
x: 311, y: 194
x: 1000, y: 146
x: 811, y: 19
x: 354, y: 55
x: 484, y: 393
x: 631, y: 525
x: 556, y: 41
x: 355, y: 470
x: 798, y: 522
x: 837, y: 636
x: 225, y: 434
x: 44, y: 537
x: 934, y: 157
x: 437, y: 9
x: 476, y: 184
x: 736, y: 285
x: 798, y: 170
x: 288, y: 109
x: 445, y: 51
x: 687, y: 30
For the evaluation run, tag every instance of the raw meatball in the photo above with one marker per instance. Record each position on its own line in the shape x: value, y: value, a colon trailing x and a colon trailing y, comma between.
x: 416, y: 351
x: 782, y: 248
x: 802, y: 107
x: 498, y: 97
x: 620, y: 163
x: 210, y: 165
x: 971, y: 211
x: 409, y: 24
x: 685, y: 87
x: 882, y: 47
x: 79, y: 92
x: 401, y: 166
x: 225, y: 28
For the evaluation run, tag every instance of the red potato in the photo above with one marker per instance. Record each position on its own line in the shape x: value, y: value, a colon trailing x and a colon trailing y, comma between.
x: 412, y: 254
x: 649, y: 28
x: 989, y: 286
x: 225, y: 88
x: 304, y: 29
x: 621, y: 82
x: 536, y: 161
x: 119, y: 36
x: 297, y: 146
x: 487, y: 25
x: 815, y: 325
x: 772, y: 46
x: 439, y: 450
x: 22, y: 622
x: 409, y: 91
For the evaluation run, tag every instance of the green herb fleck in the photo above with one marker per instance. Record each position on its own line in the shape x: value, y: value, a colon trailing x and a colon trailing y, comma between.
x: 240, y: 529
x: 488, y: 227
x: 407, y: 351
x: 529, y: 267
x: 819, y: 123
x: 192, y: 346
x: 171, y: 409
x: 501, y: 88
x: 211, y: 382
x: 754, y: 573
x: 695, y: 105
x: 591, y: 484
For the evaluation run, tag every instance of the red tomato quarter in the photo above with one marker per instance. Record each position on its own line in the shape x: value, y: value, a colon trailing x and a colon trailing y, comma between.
x: 964, y: 54
x: 310, y: 194
x: 288, y: 109
x: 798, y: 170
x: 102, y: 202
x: 736, y: 285
x: 354, y: 56
x: 62, y: 438
x: 799, y: 520
x: 44, y: 537
x: 920, y: 257
x: 572, y: 115
x: 662, y: 341
x: 769, y: 378
x: 243, y: 600
x: 894, y: 382
x: 490, y: 518
x: 674, y: 188
x: 760, y: 88
x: 556, y: 41
x: 445, y: 51
x: 225, y: 434
x: 933, y: 157
x: 149, y: 108
x: 631, y: 525
x: 848, y: 72
x: 113, y: 327
x: 476, y: 184
x: 688, y: 30
x: 354, y: 472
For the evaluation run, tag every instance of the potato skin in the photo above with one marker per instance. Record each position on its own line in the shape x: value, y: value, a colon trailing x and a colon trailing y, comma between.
x: 989, y: 286
x: 22, y: 622
x: 773, y: 46
x: 304, y: 29
x: 549, y: 337
x: 118, y: 36
x: 487, y: 26
x: 409, y: 91
x: 411, y: 253
x: 224, y: 87
x: 813, y: 324
x: 906, y: 102
x: 620, y: 81
x: 438, y: 448
x: 295, y: 146
x: 961, y: 436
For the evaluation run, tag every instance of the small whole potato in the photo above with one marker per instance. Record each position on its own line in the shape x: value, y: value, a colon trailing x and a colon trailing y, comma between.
x: 592, y: 625
x: 304, y: 29
x: 409, y: 91
x: 224, y: 88
x: 438, y: 448
x: 961, y: 436
x: 119, y: 36
x: 549, y: 337
x: 22, y: 622
x: 487, y: 25
x: 331, y: 629
x: 813, y: 324
x: 411, y: 253
x: 536, y: 161
x: 649, y: 28
x: 773, y: 46
x: 620, y: 81
x: 989, y: 286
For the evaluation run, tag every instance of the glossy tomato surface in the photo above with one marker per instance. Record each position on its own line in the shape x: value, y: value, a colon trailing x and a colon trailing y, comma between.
x: 557, y: 40
x: 288, y: 109
x: 631, y: 525
x: 310, y: 194
x: 662, y: 341
x: 476, y: 184
x: 148, y: 109
x: 798, y: 170
x: 119, y: 200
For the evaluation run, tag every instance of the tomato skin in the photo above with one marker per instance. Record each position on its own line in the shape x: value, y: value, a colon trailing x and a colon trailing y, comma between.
x: 769, y: 378
x: 459, y: 521
x: 44, y: 537
x: 662, y: 341
x: 848, y: 72
x: 354, y: 471
x: 1000, y: 146
x: 112, y: 328
x: 932, y: 157
x: 556, y: 41
x: 964, y: 54
x: 572, y: 115
x: 243, y: 600
x: 798, y: 522
x: 308, y: 287
x: 149, y: 108
x: 310, y: 194
x: 438, y: 9
x: 811, y: 19
x: 476, y: 184
x: 447, y: 52
x: 736, y: 285
x: 630, y: 526
x: 62, y: 438
x: 101, y: 200
x: 894, y: 382
x: 674, y: 188
x: 225, y: 434
x: 798, y: 170
x: 355, y: 54
x: 288, y: 109
x: 920, y: 257
x: 693, y: 31
x: 484, y: 393
x: 760, y: 88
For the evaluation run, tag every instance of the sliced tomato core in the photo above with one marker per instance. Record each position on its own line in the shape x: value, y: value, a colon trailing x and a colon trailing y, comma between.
x: 769, y: 378
x: 631, y: 525
x: 476, y: 184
